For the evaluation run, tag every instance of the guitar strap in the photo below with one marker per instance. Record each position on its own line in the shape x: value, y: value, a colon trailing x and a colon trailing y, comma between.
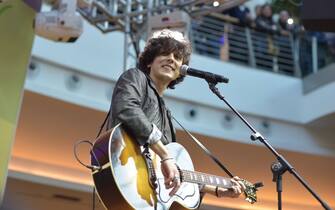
x: 173, y: 132
x: 217, y: 161
x: 150, y: 166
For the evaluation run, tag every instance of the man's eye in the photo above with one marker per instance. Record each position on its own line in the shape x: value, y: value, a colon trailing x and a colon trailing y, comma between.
x: 177, y: 56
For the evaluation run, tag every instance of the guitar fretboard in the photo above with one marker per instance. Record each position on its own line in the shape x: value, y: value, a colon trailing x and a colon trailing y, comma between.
x: 202, y: 178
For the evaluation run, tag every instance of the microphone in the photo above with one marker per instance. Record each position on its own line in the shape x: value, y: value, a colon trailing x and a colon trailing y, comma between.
x: 208, y: 76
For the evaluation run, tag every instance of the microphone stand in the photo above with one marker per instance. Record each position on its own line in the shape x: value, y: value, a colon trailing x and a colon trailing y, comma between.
x: 278, y: 168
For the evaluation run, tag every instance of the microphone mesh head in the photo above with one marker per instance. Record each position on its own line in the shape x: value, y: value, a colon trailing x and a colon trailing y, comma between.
x: 183, y: 70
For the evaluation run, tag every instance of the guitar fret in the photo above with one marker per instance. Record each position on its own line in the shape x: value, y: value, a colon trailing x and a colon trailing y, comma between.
x: 224, y: 182
x: 202, y: 178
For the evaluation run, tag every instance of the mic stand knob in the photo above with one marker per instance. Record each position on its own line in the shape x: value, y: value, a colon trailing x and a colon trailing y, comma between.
x: 278, y: 170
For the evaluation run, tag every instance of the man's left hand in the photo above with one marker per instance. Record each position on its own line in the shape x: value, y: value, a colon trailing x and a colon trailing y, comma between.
x: 236, y: 190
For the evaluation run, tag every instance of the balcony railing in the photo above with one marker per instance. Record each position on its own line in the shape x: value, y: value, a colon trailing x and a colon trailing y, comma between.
x: 281, y: 54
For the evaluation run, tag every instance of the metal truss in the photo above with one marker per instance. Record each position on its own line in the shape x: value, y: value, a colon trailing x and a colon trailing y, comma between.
x: 131, y: 16
x: 111, y: 15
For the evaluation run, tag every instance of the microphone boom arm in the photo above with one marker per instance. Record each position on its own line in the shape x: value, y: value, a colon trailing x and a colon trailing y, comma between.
x: 257, y: 136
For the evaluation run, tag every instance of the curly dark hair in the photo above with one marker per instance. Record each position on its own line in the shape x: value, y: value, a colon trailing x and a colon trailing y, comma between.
x: 164, y: 46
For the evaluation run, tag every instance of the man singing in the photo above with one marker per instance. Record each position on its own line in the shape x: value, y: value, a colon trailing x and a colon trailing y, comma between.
x: 138, y: 104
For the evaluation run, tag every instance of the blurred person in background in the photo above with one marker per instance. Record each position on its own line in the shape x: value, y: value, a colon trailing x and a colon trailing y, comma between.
x: 264, y: 21
x: 285, y: 23
x: 242, y: 13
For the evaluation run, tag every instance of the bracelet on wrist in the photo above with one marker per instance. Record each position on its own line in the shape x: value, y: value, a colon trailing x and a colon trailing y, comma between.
x: 165, y: 159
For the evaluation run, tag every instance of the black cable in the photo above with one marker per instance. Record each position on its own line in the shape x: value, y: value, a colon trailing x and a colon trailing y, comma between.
x: 93, y: 198
x: 95, y: 157
x: 103, y: 124
x: 91, y: 167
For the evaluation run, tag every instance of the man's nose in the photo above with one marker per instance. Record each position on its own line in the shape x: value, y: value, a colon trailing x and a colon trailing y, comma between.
x: 171, y: 57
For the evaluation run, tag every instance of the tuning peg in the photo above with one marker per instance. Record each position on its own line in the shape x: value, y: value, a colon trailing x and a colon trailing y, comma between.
x: 258, y: 185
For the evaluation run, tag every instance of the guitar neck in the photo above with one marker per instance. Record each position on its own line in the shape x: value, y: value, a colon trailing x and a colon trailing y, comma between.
x: 203, y: 178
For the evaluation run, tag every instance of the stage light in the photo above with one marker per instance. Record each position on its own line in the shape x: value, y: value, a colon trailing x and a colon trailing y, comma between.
x: 177, y: 20
x: 61, y: 23
x: 290, y: 21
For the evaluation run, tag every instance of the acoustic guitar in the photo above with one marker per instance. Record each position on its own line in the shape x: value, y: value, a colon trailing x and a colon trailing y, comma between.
x: 122, y: 180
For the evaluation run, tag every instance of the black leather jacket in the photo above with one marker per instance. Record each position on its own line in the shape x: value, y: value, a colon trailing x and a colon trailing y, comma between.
x: 137, y: 105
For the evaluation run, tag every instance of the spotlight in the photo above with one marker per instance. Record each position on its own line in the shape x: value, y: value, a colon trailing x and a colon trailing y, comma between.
x: 216, y: 3
x: 290, y: 21
x: 60, y: 24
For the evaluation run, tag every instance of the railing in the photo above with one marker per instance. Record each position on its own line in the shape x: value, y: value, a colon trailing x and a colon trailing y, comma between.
x: 280, y: 54
x: 315, y: 53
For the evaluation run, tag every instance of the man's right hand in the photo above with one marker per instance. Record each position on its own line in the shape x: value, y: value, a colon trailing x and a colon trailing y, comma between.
x: 168, y: 167
x: 171, y: 175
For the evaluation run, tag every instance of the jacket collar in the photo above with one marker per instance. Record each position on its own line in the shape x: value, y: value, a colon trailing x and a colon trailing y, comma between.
x: 152, y: 84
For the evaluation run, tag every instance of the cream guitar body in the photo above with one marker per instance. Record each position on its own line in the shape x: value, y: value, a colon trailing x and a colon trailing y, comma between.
x: 122, y: 182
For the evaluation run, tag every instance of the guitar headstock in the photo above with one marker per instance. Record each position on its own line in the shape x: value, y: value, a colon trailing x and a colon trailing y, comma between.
x: 250, y: 191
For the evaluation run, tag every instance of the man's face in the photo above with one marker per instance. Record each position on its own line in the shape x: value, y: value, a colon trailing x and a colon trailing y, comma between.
x: 267, y: 11
x: 283, y: 16
x: 165, y: 68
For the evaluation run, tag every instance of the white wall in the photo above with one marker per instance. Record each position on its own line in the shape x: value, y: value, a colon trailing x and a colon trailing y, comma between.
x: 53, y: 80
x: 98, y: 61
x: 254, y: 92
x: 318, y: 103
x: 249, y: 90
x: 94, y: 53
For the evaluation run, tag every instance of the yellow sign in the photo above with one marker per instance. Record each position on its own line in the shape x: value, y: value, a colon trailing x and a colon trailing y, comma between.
x: 16, y: 38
